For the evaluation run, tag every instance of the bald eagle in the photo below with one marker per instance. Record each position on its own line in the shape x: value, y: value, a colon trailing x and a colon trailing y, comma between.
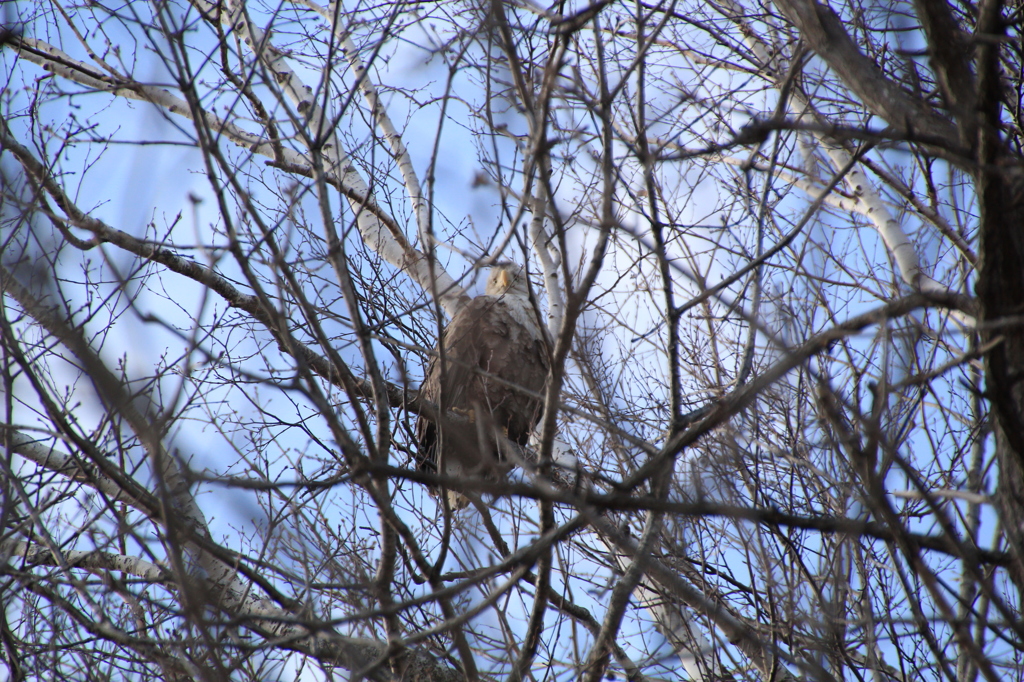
x: 495, y: 357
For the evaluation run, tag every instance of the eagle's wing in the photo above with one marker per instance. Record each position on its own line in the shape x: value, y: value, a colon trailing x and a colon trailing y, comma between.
x: 462, y: 351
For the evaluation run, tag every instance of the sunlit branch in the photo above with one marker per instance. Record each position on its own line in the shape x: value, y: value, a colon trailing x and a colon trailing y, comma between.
x: 96, y: 561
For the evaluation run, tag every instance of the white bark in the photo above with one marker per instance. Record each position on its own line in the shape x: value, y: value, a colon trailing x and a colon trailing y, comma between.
x: 377, y: 110
x: 390, y: 244
x: 57, y: 62
x: 378, y: 229
x: 72, y: 467
x: 90, y: 560
x: 550, y: 259
x: 867, y: 200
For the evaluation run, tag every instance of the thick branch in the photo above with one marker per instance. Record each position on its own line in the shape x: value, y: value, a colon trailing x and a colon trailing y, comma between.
x: 910, y: 117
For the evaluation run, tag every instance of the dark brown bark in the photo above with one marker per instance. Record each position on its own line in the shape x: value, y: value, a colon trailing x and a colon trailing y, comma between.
x: 1000, y: 185
x: 952, y: 65
x: 1000, y: 289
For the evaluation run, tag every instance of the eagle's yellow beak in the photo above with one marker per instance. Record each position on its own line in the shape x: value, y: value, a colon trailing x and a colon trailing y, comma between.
x: 504, y: 280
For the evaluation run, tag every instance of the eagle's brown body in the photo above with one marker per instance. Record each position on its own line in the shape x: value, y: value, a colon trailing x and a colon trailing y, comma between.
x: 495, y: 357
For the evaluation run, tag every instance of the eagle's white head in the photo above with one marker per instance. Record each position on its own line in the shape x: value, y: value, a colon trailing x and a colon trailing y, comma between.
x: 508, y: 282
x: 507, y: 279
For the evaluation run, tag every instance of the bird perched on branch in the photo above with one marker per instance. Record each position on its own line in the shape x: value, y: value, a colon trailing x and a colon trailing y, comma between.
x: 491, y: 362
